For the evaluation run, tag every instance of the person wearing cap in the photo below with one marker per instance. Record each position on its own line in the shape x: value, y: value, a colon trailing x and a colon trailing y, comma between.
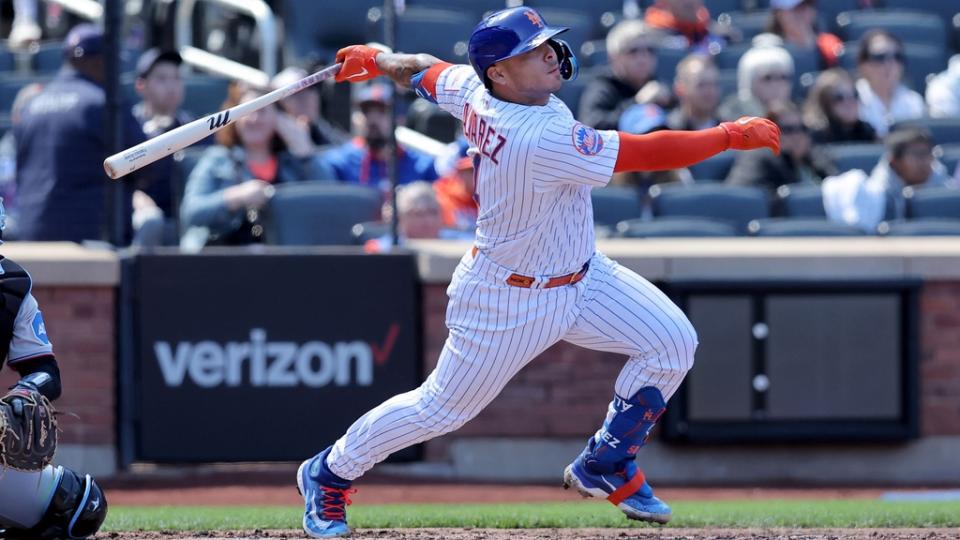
x: 697, y: 87
x: 363, y: 159
x: 61, y: 146
x: 630, y: 80
x: 161, y: 90
x: 795, y: 21
x: 303, y: 109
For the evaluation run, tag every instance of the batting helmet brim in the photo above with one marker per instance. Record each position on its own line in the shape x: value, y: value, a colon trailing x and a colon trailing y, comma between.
x: 535, y: 41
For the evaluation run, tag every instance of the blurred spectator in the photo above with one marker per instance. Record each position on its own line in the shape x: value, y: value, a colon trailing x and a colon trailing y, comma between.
x: 160, y: 87
x: 832, y: 110
x: 856, y: 199
x: 25, y: 30
x: 884, y: 100
x: 632, y: 53
x: 8, y: 158
x: 234, y: 179
x: 419, y: 218
x: 943, y: 91
x: 60, y: 149
x: 304, y: 108
x: 798, y: 162
x: 455, y: 194
x: 764, y: 76
x: 643, y: 119
x: 687, y: 23
x: 363, y: 159
x: 795, y: 21
x: 697, y: 87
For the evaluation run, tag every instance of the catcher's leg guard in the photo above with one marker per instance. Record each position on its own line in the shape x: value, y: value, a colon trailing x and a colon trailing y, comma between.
x: 606, y: 467
x: 325, y: 496
x: 75, y: 510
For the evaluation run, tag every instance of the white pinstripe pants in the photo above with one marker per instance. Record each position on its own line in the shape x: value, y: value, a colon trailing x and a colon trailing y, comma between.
x: 496, y: 329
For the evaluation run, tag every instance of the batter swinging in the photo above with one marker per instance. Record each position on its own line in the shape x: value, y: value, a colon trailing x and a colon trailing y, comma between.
x: 534, y: 276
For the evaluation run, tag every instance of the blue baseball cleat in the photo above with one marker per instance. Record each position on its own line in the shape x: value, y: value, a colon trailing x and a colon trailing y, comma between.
x: 627, y: 489
x: 325, y: 496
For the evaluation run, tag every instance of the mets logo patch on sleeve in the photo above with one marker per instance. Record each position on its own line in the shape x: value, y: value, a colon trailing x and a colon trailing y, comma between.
x: 586, y: 140
x: 40, y: 329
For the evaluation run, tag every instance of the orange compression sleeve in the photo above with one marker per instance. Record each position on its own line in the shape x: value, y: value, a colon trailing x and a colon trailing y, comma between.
x: 662, y: 150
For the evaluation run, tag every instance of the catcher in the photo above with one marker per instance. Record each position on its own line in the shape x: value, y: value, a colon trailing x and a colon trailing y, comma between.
x: 37, y: 500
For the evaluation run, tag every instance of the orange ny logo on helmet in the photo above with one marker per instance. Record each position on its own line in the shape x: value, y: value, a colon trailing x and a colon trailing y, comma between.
x: 534, y: 17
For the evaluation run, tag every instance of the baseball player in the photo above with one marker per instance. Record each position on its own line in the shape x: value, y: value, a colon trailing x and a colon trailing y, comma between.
x: 534, y: 276
x: 38, y: 501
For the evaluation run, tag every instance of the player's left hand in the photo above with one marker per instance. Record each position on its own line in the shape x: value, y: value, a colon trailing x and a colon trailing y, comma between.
x: 28, y: 429
x: 751, y: 132
x: 359, y: 63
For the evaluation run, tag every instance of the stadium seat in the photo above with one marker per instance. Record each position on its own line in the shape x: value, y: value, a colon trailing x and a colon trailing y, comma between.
x: 204, y: 94
x: 475, y: 8
x: 921, y: 60
x: 319, y: 213
x: 728, y: 82
x: 575, y: 5
x: 613, y: 204
x: 922, y: 227
x: 804, y: 60
x: 828, y: 11
x: 750, y: 23
x: 673, y: 227
x: 440, y: 32
x: 729, y: 57
x: 949, y: 155
x: 932, y: 202
x: 48, y: 58
x: 593, y: 53
x: 863, y: 156
x: 801, y: 227
x: 910, y: 26
x: 944, y: 9
x: 7, y: 62
x: 717, y: 7
x: 736, y: 205
x: 432, y: 121
x: 944, y: 130
x: 368, y: 230
x: 800, y: 201
x: 667, y: 60
x: 714, y: 168
x: 324, y: 27
x: 583, y: 23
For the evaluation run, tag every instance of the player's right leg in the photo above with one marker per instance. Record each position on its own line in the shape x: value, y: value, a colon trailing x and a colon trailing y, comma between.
x: 55, y: 502
x: 495, y: 330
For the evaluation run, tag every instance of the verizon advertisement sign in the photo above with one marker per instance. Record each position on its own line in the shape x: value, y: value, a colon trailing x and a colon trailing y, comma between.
x: 238, y: 353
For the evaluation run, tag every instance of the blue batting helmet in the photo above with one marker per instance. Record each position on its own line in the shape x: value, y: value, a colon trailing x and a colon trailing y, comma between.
x: 512, y: 32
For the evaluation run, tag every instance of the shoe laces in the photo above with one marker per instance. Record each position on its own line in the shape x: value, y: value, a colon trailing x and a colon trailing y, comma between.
x: 334, y: 500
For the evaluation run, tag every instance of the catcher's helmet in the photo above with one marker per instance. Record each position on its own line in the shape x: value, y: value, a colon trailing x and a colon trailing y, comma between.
x: 512, y: 32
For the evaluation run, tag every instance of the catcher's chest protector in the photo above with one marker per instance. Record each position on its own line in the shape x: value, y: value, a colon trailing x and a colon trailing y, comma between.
x: 14, y: 287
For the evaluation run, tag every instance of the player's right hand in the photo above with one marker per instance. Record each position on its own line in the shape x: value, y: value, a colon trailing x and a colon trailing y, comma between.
x: 751, y: 132
x: 359, y: 63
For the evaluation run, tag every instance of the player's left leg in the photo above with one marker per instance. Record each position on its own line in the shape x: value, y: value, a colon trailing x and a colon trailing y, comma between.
x: 624, y: 313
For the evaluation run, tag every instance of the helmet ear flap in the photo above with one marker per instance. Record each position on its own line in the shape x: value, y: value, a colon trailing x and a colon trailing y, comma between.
x: 569, y: 67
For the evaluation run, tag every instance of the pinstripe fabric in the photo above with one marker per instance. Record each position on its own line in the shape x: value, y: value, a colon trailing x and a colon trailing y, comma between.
x: 536, y: 168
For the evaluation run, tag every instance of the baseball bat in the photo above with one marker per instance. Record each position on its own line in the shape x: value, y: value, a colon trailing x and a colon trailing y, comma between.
x: 145, y: 153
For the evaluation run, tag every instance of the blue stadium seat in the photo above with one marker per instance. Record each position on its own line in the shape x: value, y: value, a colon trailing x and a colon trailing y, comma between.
x: 863, y: 156
x: 323, y: 27
x: 368, y: 230
x: 801, y: 227
x: 475, y: 8
x: 921, y: 61
x: 944, y: 130
x: 728, y: 82
x: 7, y: 62
x: 932, y: 202
x: 613, y: 204
x: 922, y: 227
x: 432, y: 121
x: 440, y: 32
x: 949, y: 155
x: 204, y: 94
x: 674, y: 227
x: 319, y: 213
x: 593, y: 53
x: 48, y: 58
x: 714, y: 168
x: 945, y: 9
x: 910, y: 26
x: 750, y: 23
x: 717, y: 7
x: 736, y: 205
x: 667, y: 60
x: 800, y: 201
x: 729, y: 57
x: 828, y: 11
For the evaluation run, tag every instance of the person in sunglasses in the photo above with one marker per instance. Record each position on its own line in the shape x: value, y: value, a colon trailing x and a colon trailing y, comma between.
x: 832, y: 111
x: 798, y: 162
x: 764, y: 76
x: 884, y: 99
x: 631, y: 79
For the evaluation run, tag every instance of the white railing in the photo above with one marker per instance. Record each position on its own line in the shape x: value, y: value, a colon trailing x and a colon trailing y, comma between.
x: 88, y: 9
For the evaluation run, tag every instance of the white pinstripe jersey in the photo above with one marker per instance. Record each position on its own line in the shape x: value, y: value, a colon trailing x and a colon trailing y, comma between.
x: 535, y: 168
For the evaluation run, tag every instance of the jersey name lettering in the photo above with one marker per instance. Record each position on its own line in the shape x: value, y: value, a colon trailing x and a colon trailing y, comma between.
x: 482, y: 136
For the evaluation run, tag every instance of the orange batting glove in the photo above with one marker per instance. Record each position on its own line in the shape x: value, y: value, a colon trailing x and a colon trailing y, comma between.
x: 750, y: 132
x: 359, y: 63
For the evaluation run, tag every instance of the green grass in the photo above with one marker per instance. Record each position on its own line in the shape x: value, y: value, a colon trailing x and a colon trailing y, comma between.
x: 732, y: 514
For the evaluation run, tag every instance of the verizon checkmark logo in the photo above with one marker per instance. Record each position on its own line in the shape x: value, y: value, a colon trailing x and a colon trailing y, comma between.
x: 382, y: 353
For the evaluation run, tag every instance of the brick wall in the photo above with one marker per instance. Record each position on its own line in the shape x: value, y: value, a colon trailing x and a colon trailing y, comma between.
x: 80, y: 323
x: 564, y: 392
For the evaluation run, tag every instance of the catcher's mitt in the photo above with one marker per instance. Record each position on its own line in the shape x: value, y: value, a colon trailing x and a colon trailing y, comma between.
x: 28, y: 430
